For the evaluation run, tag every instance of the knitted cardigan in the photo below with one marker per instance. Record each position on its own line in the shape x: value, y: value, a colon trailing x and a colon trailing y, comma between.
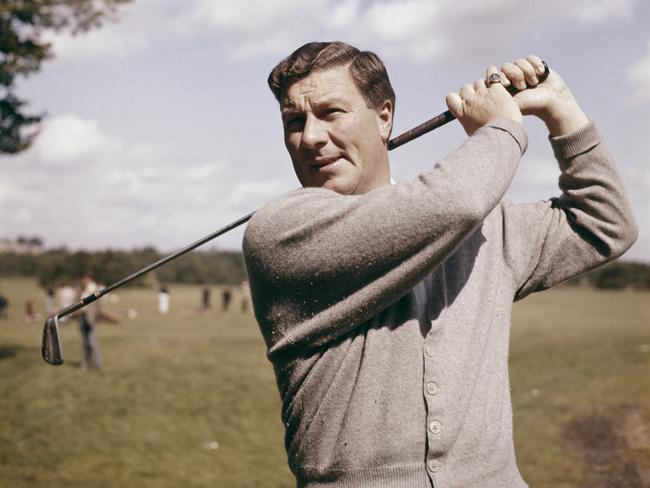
x: 374, y: 397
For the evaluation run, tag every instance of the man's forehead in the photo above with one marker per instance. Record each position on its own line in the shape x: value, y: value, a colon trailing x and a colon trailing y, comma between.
x: 322, y: 86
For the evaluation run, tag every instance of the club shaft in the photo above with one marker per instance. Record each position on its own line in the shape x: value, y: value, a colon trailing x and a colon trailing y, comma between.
x: 100, y: 293
x: 171, y: 257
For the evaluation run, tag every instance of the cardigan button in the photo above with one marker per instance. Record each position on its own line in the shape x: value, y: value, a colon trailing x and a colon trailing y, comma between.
x: 434, y: 465
x: 432, y: 388
x: 428, y: 350
x: 435, y: 427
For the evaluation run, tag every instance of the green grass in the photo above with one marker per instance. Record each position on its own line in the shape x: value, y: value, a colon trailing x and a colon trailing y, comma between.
x: 175, y: 387
x: 580, y: 354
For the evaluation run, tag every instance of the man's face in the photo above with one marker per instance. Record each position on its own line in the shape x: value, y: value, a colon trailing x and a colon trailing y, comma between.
x: 335, y: 141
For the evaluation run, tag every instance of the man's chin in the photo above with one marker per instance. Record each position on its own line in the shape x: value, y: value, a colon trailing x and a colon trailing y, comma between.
x: 340, y: 185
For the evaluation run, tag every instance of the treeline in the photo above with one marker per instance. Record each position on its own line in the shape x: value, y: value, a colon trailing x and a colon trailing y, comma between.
x: 617, y: 275
x: 60, y: 266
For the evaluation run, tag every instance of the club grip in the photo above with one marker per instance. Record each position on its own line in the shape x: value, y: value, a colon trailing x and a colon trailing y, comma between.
x: 442, y: 119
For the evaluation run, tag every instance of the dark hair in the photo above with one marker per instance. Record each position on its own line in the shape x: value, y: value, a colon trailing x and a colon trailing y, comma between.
x: 367, y: 70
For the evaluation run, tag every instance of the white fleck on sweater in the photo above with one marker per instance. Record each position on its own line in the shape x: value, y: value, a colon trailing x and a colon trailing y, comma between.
x: 374, y: 397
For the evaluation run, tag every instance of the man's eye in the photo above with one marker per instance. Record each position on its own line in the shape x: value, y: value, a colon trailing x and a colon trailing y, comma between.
x: 333, y: 110
x: 293, y: 122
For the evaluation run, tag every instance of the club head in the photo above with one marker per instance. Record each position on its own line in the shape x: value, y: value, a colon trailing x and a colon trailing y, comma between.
x: 51, y: 345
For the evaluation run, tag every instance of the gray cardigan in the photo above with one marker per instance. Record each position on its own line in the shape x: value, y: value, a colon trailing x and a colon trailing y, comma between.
x: 374, y: 397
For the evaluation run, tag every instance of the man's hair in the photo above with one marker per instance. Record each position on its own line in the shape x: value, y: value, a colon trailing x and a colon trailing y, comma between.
x: 367, y: 70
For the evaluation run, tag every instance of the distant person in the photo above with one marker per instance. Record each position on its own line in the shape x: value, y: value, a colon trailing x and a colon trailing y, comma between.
x: 205, y: 298
x: 163, y: 300
x: 30, y: 311
x: 88, y: 318
x: 245, y: 296
x: 226, y: 297
x: 4, y: 306
x: 50, y: 301
x: 67, y: 296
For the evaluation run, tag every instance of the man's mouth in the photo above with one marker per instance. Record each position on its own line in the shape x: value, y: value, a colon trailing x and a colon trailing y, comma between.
x: 324, y: 163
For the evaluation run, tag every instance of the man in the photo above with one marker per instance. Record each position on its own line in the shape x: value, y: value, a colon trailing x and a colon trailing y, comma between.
x: 386, y: 308
x: 88, y: 317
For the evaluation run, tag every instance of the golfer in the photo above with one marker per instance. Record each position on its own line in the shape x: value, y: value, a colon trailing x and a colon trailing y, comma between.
x: 386, y: 307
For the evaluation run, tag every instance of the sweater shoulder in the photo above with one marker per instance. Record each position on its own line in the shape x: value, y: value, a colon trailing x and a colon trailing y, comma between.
x: 269, y: 220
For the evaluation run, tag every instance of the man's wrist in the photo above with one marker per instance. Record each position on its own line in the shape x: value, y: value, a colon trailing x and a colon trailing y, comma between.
x: 564, y: 120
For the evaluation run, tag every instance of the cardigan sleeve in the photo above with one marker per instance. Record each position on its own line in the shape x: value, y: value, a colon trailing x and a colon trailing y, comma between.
x: 589, y: 224
x: 321, y: 263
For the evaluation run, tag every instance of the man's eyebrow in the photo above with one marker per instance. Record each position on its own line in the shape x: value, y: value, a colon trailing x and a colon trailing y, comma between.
x: 287, y: 112
x: 330, y: 100
x: 290, y: 108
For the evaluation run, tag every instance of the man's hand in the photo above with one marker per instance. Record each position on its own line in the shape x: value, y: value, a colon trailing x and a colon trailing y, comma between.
x: 550, y: 100
x: 475, y: 105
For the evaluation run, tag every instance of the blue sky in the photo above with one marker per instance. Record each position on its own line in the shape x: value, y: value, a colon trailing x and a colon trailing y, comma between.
x: 160, y: 127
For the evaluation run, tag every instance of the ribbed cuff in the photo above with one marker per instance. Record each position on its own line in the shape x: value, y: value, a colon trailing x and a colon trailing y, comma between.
x: 577, y: 142
x: 514, y: 128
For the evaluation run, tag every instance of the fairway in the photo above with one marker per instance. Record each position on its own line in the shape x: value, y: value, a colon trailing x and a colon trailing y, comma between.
x: 189, y: 400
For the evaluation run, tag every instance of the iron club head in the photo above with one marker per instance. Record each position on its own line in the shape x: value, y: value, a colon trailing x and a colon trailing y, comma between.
x: 51, y: 344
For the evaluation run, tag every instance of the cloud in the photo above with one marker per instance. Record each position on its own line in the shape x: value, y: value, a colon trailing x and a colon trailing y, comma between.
x: 638, y: 77
x: 133, y: 29
x: 420, y: 30
x: 110, y: 41
x: 250, y: 16
x: 69, y: 139
x: 599, y: 11
x: 253, y: 194
x: 85, y: 188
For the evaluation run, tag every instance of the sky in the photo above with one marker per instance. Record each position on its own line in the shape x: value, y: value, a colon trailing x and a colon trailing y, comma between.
x: 160, y: 127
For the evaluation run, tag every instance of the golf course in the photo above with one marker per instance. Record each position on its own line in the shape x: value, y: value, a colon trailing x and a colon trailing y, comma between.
x: 188, y: 399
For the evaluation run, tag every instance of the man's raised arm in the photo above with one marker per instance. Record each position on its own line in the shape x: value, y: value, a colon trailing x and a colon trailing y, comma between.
x: 591, y: 222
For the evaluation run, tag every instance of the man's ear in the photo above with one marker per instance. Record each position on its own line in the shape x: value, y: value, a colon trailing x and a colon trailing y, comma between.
x: 385, y: 118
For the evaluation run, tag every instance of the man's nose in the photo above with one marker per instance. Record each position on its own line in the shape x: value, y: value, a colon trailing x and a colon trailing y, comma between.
x: 314, y: 133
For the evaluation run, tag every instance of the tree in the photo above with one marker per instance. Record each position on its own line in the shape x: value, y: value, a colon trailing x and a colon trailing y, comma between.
x: 22, y: 50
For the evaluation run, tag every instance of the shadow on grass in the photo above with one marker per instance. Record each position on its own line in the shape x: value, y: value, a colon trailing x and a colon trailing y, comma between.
x: 8, y: 351
x: 606, y: 437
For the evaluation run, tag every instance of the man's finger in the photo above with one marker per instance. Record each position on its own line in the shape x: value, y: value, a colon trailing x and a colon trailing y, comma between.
x: 505, y: 81
x: 479, y: 85
x: 537, y: 63
x: 529, y: 71
x: 491, y: 70
x: 455, y: 103
x: 515, y: 75
x: 467, y: 91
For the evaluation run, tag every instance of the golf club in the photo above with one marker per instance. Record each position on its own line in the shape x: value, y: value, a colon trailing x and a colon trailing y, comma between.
x: 51, y: 349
